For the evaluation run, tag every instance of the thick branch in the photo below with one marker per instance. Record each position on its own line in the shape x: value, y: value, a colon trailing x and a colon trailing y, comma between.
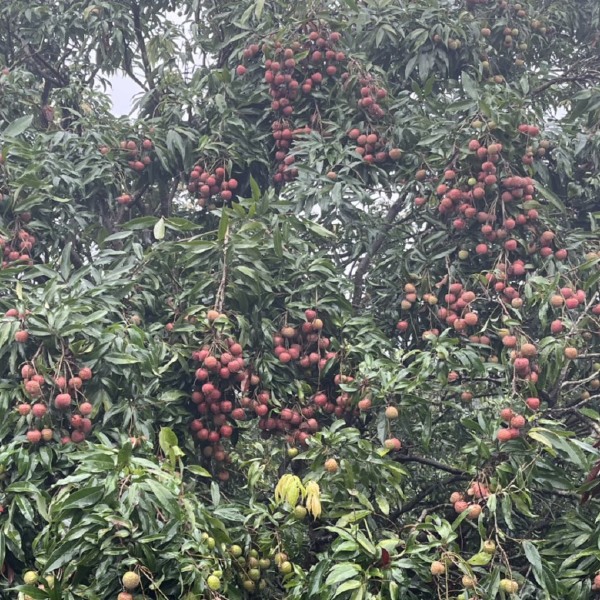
x: 363, y: 266
x: 43, y: 67
x: 430, y: 462
x: 139, y: 35
x: 585, y: 77
x: 435, y: 487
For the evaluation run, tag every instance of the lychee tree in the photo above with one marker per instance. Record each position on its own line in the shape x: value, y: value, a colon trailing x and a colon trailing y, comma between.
x: 318, y: 320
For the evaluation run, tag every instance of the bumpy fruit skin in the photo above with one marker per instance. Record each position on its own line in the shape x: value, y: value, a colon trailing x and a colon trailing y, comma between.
x: 30, y: 577
x: 213, y: 582
x: 85, y: 374
x: 489, y: 547
x: 21, y: 337
x: 34, y: 436
x: 509, y: 586
x: 124, y: 596
x: 437, y: 568
x: 299, y: 512
x: 393, y: 444
x: 391, y: 412
x: 235, y: 551
x: 331, y: 465
x: 130, y: 580
x: 286, y: 567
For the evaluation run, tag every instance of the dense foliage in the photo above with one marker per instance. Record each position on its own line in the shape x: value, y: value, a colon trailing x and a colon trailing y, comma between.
x: 321, y: 320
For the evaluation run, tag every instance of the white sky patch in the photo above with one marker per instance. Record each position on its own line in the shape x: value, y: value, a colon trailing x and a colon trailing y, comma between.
x: 122, y: 93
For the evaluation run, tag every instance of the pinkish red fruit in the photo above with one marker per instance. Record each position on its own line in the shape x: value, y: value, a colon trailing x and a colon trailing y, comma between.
x: 62, y: 401
x: 34, y: 436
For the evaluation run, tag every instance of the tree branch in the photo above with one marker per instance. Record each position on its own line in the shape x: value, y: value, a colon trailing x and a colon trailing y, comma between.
x: 363, y: 266
x: 430, y: 462
x: 435, y: 487
x: 139, y: 35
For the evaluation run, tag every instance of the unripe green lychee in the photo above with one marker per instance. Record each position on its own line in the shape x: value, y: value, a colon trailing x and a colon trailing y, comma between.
x: 213, y: 582
x: 30, y: 577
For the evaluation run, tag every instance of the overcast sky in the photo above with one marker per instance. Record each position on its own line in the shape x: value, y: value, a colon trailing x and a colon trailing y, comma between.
x: 124, y: 88
x: 122, y: 93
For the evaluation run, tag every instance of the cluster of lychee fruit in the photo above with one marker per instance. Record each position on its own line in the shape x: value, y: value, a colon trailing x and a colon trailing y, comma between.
x: 284, y: 135
x: 222, y: 384
x: 252, y: 568
x: 305, y: 345
x: 373, y: 147
x: 139, y: 154
x: 470, y: 502
x: 523, y: 358
x: 294, y: 71
x: 458, y: 312
x: 472, y: 200
x: 371, y: 97
x: 18, y: 249
x: 22, y: 335
x: 569, y: 298
x: 514, y: 421
x: 211, y: 185
x: 55, y: 402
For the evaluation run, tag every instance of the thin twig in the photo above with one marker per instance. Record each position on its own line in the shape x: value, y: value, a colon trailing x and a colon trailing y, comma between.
x: 220, y: 297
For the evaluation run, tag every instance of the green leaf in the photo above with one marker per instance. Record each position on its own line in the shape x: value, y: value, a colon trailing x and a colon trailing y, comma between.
x: 342, y: 572
x: 256, y: 193
x: 124, y: 455
x: 533, y: 556
x: 18, y: 126
x: 383, y: 504
x: 81, y: 499
x: 223, y: 226
x: 167, y: 439
x: 551, y: 197
x: 480, y: 559
x: 348, y: 585
x: 159, y: 229
x: 197, y: 470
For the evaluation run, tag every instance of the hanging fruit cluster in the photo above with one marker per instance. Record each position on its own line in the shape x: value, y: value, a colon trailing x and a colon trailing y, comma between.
x: 294, y: 72
x: 373, y: 147
x: 476, y: 196
x: 306, y: 345
x: 307, y: 349
x: 507, y: 36
x: 55, y: 407
x: 139, y: 154
x: 211, y: 186
x: 477, y: 493
x: 371, y: 97
x: 17, y: 250
x: 514, y: 421
x: 222, y: 389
